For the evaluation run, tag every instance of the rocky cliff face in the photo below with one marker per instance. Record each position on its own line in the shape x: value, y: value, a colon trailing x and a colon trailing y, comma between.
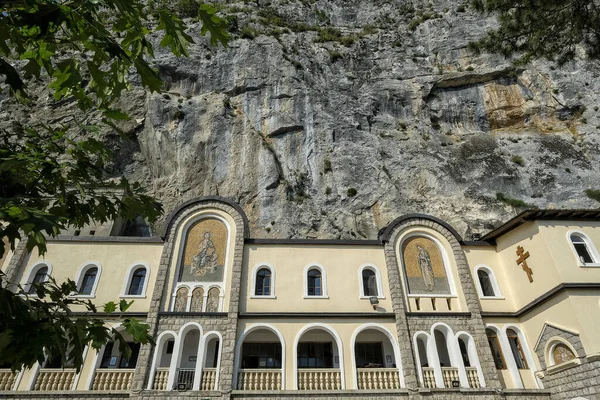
x: 330, y: 118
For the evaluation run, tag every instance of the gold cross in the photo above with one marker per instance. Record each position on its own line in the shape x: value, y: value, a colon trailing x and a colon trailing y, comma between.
x: 524, y: 255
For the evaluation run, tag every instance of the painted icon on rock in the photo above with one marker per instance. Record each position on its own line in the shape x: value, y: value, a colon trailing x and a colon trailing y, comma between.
x: 424, y: 267
x: 204, y: 252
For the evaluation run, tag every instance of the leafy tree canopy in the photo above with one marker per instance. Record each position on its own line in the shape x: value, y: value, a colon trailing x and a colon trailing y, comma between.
x: 54, y: 176
x: 549, y: 29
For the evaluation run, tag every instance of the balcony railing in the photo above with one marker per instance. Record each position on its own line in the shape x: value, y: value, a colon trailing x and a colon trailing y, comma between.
x: 319, y: 379
x: 428, y: 377
x: 450, y: 374
x: 209, y: 377
x: 473, y: 377
x: 113, y: 379
x: 54, y: 379
x: 259, y: 379
x: 161, y: 379
x: 378, y: 378
x: 7, y: 379
x: 186, y: 376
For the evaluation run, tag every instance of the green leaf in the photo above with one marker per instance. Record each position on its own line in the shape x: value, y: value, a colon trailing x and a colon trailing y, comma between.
x: 110, y: 307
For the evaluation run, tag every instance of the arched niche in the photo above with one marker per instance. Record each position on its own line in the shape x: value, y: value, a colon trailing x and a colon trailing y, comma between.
x: 203, y: 258
x: 425, y: 266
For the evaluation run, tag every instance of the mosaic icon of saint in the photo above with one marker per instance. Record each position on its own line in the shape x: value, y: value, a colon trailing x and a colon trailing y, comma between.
x: 426, y: 268
x: 206, y: 259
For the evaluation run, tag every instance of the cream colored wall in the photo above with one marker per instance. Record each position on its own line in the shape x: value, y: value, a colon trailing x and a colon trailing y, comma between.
x: 178, y: 251
x: 586, y: 305
x: 290, y: 328
x: 478, y: 255
x: 66, y: 257
x: 568, y: 265
x: 541, y: 262
x: 341, y: 265
x: 459, y: 303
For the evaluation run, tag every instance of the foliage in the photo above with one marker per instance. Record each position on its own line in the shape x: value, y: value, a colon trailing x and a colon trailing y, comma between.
x: 42, y: 326
x: 593, y: 194
x: 541, y: 28
x: 513, y: 202
x: 351, y: 192
x: 50, y: 176
x: 518, y: 160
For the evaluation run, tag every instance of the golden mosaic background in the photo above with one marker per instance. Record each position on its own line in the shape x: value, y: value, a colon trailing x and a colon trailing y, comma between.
x: 194, y: 237
x: 410, y: 255
x: 561, y: 354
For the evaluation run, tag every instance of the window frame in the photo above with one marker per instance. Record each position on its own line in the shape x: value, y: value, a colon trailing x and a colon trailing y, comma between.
x: 33, y: 272
x: 81, y: 274
x: 252, y: 288
x: 500, y: 349
x: 323, y: 294
x: 589, y: 244
x: 129, y: 277
x: 517, y: 351
x: 493, y: 281
x: 378, y: 281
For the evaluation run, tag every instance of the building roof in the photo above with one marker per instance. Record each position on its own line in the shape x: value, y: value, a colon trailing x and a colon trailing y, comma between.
x: 542, y: 215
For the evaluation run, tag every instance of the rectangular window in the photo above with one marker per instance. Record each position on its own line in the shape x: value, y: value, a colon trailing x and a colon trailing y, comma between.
x: 369, y: 355
x: 261, y: 355
x: 131, y: 362
x: 315, y: 355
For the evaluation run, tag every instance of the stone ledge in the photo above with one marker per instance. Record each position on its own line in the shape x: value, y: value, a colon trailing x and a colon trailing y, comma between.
x: 40, y: 394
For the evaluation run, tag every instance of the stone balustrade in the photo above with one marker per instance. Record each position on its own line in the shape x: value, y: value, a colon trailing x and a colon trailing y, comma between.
x: 259, y: 379
x: 55, y: 379
x: 113, y: 379
x: 209, y: 377
x: 319, y: 379
x: 378, y: 378
x: 450, y: 374
x: 428, y: 377
x: 161, y: 378
x: 473, y: 377
x: 7, y: 379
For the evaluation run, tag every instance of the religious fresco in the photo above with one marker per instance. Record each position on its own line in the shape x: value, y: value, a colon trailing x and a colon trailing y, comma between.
x: 424, y: 267
x: 204, y: 252
x: 561, y: 354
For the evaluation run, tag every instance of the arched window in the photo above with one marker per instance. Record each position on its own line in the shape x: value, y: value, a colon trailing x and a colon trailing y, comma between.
x: 40, y: 276
x: 88, y: 282
x: 464, y: 353
x: 263, y: 282
x: 517, y: 349
x: 314, y: 280
x: 138, y: 279
x: 583, y: 248
x: 369, y: 281
x: 486, y: 284
x: 494, y: 343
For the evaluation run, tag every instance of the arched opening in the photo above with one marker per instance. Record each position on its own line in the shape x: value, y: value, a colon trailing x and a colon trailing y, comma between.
x: 582, y: 248
x: 188, y: 358
x: 213, y: 300
x: 516, y: 349
x: 487, y: 289
x: 369, y: 283
x: 197, y: 302
x: 211, y: 360
x: 426, y: 370
x: 261, y: 360
x: 448, y: 368
x: 181, y: 299
x: 162, y: 361
x: 375, y: 361
x: 88, y: 282
x: 470, y: 360
x: 314, y: 282
x: 318, y: 361
x: 115, y: 367
x: 40, y: 276
x: 138, y: 282
x: 263, y: 282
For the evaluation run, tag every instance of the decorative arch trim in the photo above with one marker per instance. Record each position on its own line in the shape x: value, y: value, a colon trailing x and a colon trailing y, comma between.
x: 528, y: 355
x: 205, y: 199
x: 589, y: 244
x: 240, y: 342
x: 386, y: 234
x: 33, y: 270
x: 338, y: 342
x: 378, y: 280
x: 81, y: 273
x: 551, y: 344
x: 161, y: 340
x: 392, y: 340
x: 497, y: 292
x: 255, y: 270
x: 129, y: 275
x: 445, y: 260
x: 324, y: 294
